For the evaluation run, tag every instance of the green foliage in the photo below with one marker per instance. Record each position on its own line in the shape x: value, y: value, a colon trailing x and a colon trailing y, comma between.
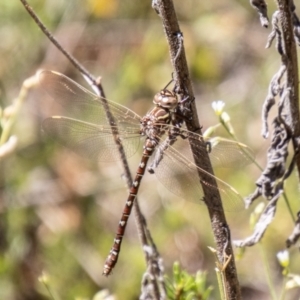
x: 184, y: 286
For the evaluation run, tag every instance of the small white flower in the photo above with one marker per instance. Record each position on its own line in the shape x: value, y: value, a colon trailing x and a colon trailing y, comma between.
x: 218, y: 107
x: 283, y: 258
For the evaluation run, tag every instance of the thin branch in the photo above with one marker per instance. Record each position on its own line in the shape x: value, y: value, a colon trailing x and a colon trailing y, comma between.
x: 165, y: 9
x: 55, y: 42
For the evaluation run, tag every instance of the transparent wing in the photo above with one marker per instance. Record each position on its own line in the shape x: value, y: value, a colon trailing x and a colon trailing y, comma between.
x: 79, y: 103
x: 95, y: 142
x: 85, y: 127
x: 223, y: 153
x: 179, y: 174
x: 227, y: 154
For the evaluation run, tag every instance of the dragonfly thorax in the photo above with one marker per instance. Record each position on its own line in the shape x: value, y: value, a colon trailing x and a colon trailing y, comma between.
x: 166, y: 99
x: 154, y: 123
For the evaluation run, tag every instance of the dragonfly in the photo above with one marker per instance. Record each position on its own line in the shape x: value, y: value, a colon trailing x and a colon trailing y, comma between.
x: 88, y: 131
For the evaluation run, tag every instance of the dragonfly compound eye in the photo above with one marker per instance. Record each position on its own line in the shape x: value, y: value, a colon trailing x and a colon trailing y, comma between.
x: 166, y: 99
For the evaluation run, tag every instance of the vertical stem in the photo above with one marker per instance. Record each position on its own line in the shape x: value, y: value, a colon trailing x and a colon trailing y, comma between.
x: 166, y: 11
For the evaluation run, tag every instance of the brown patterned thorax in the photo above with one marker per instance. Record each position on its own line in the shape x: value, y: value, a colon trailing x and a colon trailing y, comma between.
x: 153, y: 124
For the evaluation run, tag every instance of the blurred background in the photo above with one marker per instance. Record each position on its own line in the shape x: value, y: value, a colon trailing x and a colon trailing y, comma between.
x: 59, y: 212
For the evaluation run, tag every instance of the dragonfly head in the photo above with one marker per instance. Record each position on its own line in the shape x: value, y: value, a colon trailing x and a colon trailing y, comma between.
x: 166, y: 99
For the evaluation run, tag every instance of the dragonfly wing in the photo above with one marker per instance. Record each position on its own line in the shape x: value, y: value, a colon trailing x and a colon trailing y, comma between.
x: 223, y: 153
x: 179, y: 174
x: 95, y: 142
x: 85, y: 127
x: 227, y: 154
x: 79, y: 103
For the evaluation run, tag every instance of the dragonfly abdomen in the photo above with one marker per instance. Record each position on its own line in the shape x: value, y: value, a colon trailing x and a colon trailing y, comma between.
x: 115, y: 250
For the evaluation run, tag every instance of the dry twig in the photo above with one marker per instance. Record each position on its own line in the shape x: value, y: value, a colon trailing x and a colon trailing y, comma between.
x: 166, y: 11
x: 286, y: 125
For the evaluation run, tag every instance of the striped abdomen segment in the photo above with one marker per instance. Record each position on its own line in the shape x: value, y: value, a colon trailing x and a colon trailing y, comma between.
x: 115, y: 250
